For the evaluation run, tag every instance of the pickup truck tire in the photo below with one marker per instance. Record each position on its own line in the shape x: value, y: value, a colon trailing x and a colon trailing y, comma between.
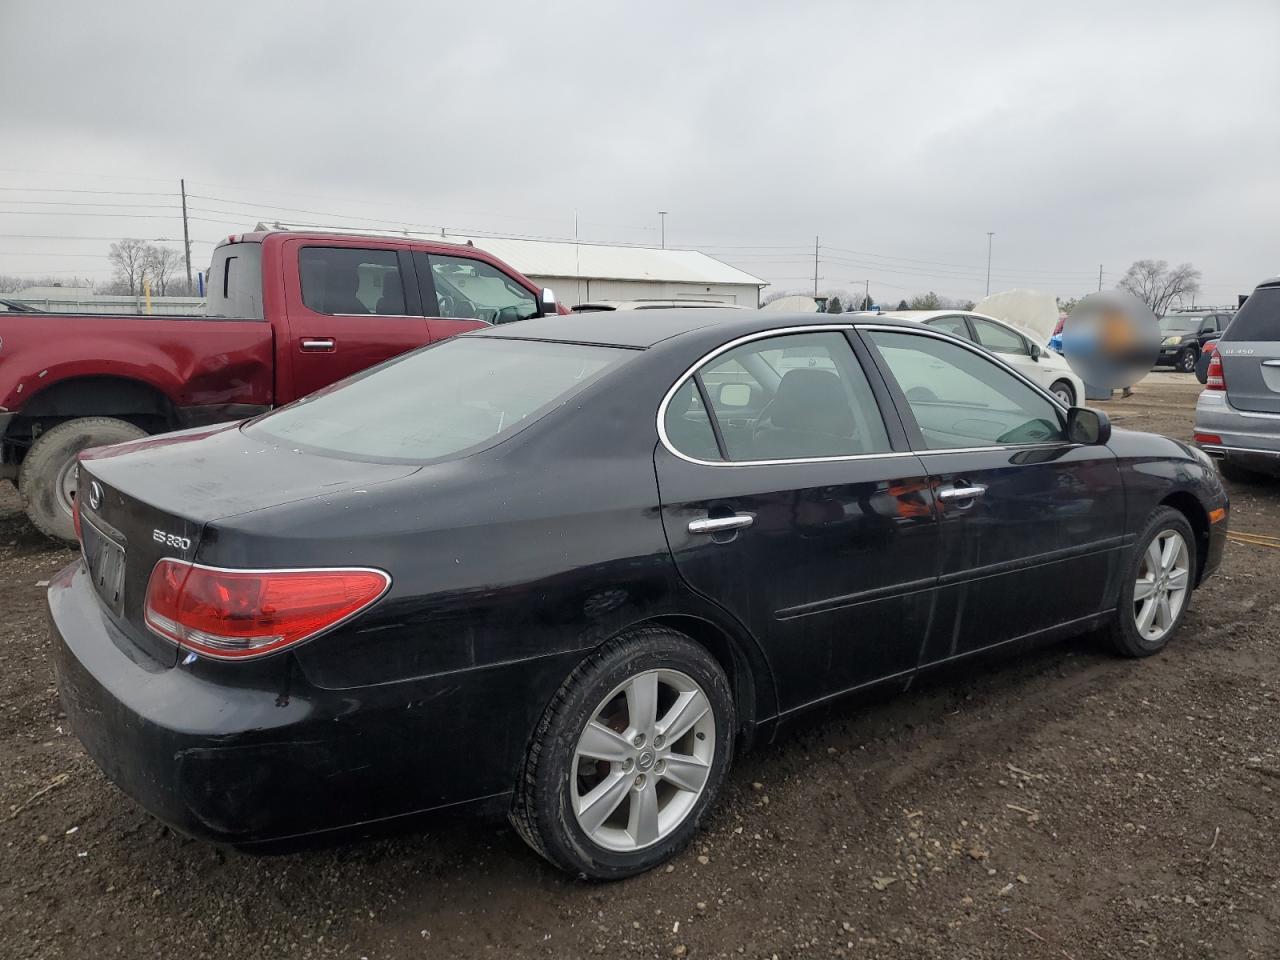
x: 47, y: 479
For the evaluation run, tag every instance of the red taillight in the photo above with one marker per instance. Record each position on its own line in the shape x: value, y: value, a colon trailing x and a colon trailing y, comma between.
x: 235, y: 614
x: 1215, y: 380
x: 1211, y: 438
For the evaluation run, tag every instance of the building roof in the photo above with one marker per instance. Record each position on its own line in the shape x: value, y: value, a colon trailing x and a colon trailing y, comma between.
x: 565, y: 258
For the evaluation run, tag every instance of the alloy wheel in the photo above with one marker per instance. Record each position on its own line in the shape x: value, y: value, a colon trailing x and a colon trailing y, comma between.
x: 643, y: 760
x: 1160, y: 591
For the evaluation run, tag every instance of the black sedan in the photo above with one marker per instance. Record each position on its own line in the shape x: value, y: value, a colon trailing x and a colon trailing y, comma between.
x: 562, y: 569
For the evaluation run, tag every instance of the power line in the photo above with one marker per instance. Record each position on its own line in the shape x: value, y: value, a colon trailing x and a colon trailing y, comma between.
x: 101, y: 193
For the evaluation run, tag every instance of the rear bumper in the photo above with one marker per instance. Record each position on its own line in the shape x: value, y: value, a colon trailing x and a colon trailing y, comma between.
x: 259, y: 765
x: 1248, y: 439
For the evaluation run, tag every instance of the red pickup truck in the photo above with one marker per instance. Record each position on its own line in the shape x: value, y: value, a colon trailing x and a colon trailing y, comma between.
x: 287, y: 313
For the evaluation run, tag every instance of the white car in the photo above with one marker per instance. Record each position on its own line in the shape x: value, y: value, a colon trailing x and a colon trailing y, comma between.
x: 595, y: 306
x: 1033, y: 361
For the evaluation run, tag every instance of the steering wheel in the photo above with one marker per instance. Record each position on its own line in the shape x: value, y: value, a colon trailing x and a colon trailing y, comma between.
x: 445, y: 304
x: 922, y: 395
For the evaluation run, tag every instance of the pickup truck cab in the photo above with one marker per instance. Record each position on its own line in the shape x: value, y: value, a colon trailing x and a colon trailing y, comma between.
x: 287, y: 314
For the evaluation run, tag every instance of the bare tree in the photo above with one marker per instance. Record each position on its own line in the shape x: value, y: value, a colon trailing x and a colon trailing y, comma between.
x: 161, y: 266
x: 130, y: 258
x: 1152, y: 282
x: 928, y: 301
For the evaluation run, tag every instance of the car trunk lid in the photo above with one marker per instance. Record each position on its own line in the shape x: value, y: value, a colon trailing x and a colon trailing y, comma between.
x: 155, y: 498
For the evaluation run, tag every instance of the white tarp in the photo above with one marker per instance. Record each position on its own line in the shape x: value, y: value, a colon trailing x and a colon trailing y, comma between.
x: 1034, y: 313
x: 798, y: 304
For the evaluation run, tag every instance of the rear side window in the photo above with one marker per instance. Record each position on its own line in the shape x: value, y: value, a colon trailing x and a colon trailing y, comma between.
x: 234, y: 285
x: 792, y: 397
x: 952, y: 325
x: 1258, y: 319
x: 441, y: 401
x: 343, y: 280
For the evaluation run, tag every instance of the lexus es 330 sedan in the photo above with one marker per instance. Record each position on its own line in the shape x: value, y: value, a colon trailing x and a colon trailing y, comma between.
x: 563, y: 571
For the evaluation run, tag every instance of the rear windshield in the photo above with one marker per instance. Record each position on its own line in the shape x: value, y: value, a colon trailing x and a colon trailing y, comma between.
x: 1259, y: 318
x: 234, y: 285
x: 441, y: 401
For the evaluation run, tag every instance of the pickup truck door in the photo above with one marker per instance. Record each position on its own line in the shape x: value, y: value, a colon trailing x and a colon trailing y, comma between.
x: 351, y: 304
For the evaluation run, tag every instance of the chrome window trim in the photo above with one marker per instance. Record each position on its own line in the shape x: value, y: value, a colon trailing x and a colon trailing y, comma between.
x: 919, y: 329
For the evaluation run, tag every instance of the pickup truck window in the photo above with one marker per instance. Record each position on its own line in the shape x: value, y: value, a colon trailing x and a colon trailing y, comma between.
x: 472, y: 289
x: 235, y: 282
x: 347, y: 280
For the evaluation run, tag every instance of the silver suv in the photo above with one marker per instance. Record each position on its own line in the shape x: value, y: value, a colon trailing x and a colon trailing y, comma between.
x: 1238, y: 413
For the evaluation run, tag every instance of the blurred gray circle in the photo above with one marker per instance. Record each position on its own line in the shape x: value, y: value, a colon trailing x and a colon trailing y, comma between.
x: 1111, y: 339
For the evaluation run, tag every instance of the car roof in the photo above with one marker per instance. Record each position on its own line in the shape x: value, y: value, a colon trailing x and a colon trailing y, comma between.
x: 623, y: 328
x: 922, y: 316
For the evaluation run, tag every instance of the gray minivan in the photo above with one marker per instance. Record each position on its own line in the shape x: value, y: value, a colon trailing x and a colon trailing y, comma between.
x: 1238, y: 413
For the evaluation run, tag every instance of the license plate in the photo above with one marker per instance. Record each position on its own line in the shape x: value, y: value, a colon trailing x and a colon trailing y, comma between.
x: 104, y: 559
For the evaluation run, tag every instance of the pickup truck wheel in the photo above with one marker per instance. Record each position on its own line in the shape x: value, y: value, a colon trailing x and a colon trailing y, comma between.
x: 48, y: 478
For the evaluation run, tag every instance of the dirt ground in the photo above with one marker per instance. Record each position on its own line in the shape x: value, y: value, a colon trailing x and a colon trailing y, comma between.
x: 1062, y: 804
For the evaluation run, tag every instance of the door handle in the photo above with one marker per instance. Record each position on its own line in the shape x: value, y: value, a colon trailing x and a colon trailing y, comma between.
x: 1271, y: 363
x: 739, y: 521
x: 970, y: 492
x: 317, y: 344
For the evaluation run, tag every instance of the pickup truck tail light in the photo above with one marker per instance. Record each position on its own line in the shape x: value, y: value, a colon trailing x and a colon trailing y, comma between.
x: 1215, y: 380
x: 240, y: 614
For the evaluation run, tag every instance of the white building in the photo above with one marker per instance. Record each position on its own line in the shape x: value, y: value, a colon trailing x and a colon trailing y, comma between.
x: 580, y: 272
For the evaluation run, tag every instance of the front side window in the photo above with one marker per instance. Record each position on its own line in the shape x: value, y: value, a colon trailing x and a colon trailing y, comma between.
x: 345, y: 280
x: 797, y: 396
x: 962, y: 399
x: 999, y: 339
x: 441, y: 401
x: 474, y: 290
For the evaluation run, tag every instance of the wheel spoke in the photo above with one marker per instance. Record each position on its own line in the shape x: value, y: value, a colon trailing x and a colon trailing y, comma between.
x: 642, y: 822
x: 1153, y: 557
x: 688, y: 709
x: 1178, y: 580
x: 1143, y: 589
x: 1164, y: 614
x: 1169, y: 552
x: 642, y: 702
x: 1146, y: 614
x: 687, y: 773
x: 601, y: 743
x: 594, y: 809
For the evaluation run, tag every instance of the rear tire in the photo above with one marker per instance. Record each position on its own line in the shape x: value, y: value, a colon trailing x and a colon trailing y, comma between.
x: 1141, y: 624
x: 595, y: 750
x: 47, y: 479
x: 1185, y: 362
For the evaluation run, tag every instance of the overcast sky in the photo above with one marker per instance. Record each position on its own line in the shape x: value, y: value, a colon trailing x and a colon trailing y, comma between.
x: 899, y: 133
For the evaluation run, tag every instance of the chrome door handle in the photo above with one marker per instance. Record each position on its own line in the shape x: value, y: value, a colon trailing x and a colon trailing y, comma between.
x: 317, y: 344
x: 1271, y: 363
x: 961, y: 493
x: 739, y: 521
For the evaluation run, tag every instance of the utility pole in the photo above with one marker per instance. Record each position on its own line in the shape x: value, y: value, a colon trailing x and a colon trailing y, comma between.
x: 186, y: 234
x: 663, y: 215
x: 815, y: 267
x: 990, y: 234
x: 1099, y: 278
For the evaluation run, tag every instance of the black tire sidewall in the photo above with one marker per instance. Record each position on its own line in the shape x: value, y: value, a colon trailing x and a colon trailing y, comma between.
x: 1127, y: 638
x: 1185, y: 361
x: 1063, y: 385
x: 44, y: 461
x: 564, y: 840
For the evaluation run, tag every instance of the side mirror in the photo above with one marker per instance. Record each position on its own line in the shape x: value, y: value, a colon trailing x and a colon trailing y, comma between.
x: 1036, y: 351
x: 547, y: 303
x: 1088, y: 426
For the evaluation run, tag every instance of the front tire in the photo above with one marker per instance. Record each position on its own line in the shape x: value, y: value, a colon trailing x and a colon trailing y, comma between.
x: 628, y: 757
x: 1064, y: 392
x: 1157, y: 587
x: 1185, y: 361
x: 47, y: 480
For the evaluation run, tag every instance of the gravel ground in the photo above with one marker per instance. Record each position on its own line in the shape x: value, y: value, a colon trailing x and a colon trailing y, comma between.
x: 1061, y: 804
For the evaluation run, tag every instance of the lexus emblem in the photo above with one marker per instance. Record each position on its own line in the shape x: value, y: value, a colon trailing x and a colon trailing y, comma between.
x: 95, y: 494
